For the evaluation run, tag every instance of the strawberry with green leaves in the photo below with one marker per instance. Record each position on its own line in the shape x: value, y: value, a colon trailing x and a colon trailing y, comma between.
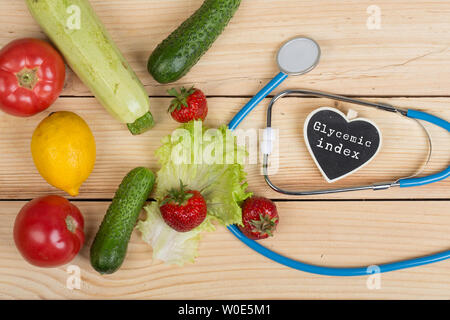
x: 182, y: 209
x: 260, y: 218
x: 188, y: 105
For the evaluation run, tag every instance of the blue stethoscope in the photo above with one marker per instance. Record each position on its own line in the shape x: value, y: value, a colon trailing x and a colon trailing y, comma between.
x: 299, y: 56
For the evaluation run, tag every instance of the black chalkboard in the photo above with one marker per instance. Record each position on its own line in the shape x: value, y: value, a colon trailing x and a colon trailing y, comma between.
x: 338, y: 146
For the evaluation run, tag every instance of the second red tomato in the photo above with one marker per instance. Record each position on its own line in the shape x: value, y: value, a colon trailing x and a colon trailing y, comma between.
x: 48, y: 231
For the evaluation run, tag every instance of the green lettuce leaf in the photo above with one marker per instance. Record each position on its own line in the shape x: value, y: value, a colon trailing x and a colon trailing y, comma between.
x: 168, y: 245
x: 205, y: 160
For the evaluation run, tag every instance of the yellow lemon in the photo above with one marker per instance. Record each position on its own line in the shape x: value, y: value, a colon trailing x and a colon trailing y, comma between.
x: 63, y: 150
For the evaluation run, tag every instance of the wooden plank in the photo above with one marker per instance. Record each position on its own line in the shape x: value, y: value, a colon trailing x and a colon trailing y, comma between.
x: 403, y: 152
x: 349, y: 234
x: 406, y: 56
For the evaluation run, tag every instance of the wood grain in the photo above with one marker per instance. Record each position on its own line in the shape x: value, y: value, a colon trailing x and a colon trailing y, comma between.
x: 352, y: 234
x: 408, y: 55
x: 404, y: 148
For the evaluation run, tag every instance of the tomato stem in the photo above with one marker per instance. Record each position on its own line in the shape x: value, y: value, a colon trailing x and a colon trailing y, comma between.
x: 71, y: 224
x: 27, y: 78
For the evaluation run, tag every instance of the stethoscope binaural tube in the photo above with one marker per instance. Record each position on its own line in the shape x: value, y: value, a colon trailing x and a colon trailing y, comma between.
x: 407, y: 182
x: 400, y: 182
x: 414, y: 182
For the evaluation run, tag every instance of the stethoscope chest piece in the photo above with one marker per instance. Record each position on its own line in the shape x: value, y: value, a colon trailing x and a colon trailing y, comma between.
x: 298, y: 56
x: 295, y: 57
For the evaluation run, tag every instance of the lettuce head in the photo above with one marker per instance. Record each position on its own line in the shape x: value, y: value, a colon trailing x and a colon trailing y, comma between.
x: 206, y: 160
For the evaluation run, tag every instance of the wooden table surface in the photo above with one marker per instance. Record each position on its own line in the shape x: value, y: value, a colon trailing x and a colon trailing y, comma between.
x: 405, y: 62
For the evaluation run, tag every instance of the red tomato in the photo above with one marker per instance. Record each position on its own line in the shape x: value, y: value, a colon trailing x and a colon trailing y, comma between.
x: 32, y: 75
x: 48, y: 231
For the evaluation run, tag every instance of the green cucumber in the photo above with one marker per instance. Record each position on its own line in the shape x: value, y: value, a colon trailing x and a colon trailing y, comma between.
x: 80, y: 36
x: 111, y: 241
x: 182, y: 49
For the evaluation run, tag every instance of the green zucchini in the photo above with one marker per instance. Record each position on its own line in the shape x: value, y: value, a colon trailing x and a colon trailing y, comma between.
x: 182, y: 49
x: 111, y: 241
x: 80, y: 36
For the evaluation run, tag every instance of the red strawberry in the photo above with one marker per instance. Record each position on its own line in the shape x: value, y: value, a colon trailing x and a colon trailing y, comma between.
x: 183, y: 210
x: 260, y: 218
x: 188, y: 105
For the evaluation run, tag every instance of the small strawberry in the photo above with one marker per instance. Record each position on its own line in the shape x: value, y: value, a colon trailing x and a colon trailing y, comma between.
x: 182, y: 209
x: 188, y: 105
x: 260, y: 218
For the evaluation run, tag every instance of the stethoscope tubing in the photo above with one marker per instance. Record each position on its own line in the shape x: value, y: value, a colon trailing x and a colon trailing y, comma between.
x: 264, y: 92
x: 415, y: 182
x: 332, y: 271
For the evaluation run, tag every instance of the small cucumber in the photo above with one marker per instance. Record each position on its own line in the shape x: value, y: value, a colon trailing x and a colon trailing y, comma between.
x: 80, y: 36
x: 111, y: 241
x: 182, y: 49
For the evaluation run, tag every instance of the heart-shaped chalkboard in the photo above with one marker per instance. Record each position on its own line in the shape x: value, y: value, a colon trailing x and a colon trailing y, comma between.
x: 340, y: 146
